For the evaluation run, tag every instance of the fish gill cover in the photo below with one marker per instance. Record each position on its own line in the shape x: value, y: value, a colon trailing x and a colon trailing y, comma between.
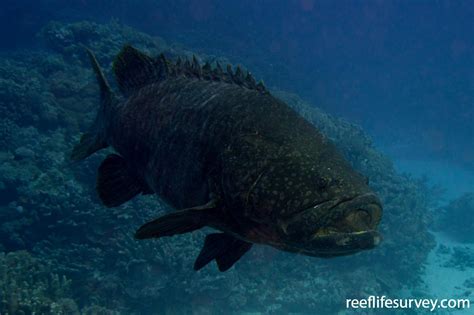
x: 82, y: 257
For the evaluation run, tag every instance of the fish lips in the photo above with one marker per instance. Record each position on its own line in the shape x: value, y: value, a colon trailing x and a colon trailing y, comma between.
x: 354, y: 228
x: 338, y: 227
x: 330, y: 213
x: 368, y: 203
x: 339, y: 244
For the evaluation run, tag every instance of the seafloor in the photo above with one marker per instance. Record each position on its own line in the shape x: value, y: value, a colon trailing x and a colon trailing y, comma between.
x: 62, y: 252
x: 449, y: 269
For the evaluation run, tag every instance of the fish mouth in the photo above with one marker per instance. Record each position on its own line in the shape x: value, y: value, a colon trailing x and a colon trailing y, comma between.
x: 347, y: 214
x: 338, y: 227
x: 351, y: 227
x: 359, y: 213
x: 342, y: 243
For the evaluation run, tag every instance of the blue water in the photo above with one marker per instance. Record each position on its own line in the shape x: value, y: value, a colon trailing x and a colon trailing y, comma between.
x: 402, y: 71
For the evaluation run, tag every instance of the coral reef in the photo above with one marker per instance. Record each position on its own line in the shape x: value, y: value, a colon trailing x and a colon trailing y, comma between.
x: 24, y: 98
x: 48, y: 205
x: 28, y: 286
x: 469, y: 283
x: 457, y: 218
x: 461, y: 258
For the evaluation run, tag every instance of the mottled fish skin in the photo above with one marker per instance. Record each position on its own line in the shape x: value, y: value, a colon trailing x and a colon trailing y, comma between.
x: 276, y: 179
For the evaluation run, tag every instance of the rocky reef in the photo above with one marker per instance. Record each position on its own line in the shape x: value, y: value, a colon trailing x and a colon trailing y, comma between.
x: 457, y: 218
x: 28, y: 285
x: 86, y: 253
x: 461, y: 258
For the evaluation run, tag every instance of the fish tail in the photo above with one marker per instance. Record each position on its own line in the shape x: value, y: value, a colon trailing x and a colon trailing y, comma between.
x: 95, y: 138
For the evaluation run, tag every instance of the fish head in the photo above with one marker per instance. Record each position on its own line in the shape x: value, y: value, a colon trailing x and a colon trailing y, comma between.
x: 324, y: 210
x: 310, y: 200
x: 335, y: 227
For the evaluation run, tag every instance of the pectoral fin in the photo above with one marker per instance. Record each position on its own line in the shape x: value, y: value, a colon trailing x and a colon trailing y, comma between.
x: 224, y: 248
x: 116, y: 184
x: 179, y: 222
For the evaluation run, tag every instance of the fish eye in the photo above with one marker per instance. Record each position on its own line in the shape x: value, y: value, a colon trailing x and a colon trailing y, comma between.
x: 364, y: 177
x: 322, y: 182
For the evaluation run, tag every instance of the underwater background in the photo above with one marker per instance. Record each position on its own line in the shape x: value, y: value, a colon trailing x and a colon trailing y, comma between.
x: 390, y: 82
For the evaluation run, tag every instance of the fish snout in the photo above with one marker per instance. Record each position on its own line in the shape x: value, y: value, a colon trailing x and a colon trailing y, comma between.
x: 353, y: 228
x: 362, y: 213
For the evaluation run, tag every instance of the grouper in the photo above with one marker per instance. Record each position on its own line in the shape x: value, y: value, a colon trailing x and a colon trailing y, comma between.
x: 223, y: 152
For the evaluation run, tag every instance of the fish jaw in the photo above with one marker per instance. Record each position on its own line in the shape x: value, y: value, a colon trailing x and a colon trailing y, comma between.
x: 339, y: 244
x: 354, y: 231
x: 334, y: 228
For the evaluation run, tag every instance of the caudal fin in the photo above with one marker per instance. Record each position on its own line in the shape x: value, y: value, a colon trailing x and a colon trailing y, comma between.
x: 107, y: 97
x: 88, y: 145
x: 94, y: 140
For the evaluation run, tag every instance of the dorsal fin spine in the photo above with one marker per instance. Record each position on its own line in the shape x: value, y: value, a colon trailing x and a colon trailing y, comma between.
x: 134, y: 69
x: 217, y: 72
x: 238, y: 76
x: 229, y: 70
x: 206, y: 71
x: 187, y: 66
x: 261, y: 86
x: 218, y: 66
x: 179, y: 62
x: 165, y: 63
x: 250, y: 80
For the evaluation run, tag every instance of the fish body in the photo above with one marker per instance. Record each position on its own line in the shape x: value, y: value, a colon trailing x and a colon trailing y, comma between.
x: 225, y: 153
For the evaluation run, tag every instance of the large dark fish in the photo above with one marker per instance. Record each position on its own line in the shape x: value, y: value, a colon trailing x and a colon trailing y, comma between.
x: 220, y: 148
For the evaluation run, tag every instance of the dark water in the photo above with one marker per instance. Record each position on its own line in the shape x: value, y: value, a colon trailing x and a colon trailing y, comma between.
x: 390, y: 82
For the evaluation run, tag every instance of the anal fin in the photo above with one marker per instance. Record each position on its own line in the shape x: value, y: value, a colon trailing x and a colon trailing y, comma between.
x: 116, y: 184
x: 222, y: 247
x: 232, y: 255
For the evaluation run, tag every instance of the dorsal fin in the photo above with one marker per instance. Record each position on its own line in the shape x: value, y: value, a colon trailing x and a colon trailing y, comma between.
x: 133, y: 69
x: 207, y: 71
x: 238, y: 76
x: 217, y: 72
x: 250, y: 81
